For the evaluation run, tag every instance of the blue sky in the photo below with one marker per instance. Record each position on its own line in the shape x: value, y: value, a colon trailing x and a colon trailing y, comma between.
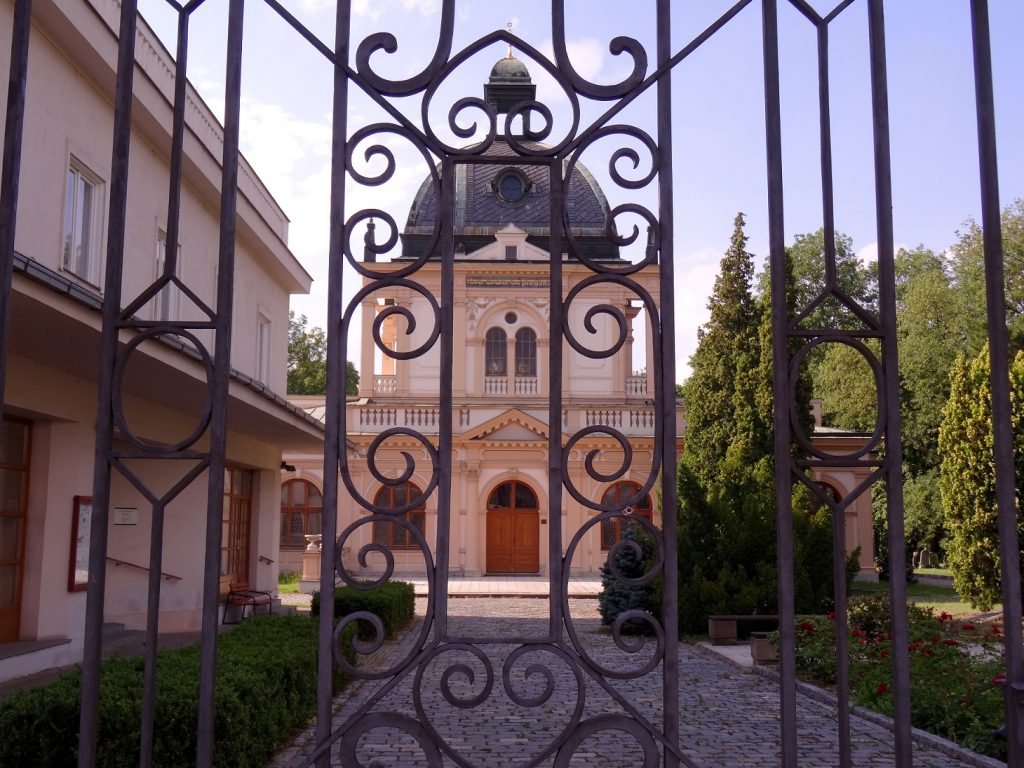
x: 718, y: 115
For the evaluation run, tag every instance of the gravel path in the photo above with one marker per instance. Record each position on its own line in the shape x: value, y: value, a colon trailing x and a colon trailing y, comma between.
x: 728, y: 716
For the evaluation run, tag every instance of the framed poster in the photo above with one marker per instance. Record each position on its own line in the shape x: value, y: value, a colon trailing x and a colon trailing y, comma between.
x: 81, y: 526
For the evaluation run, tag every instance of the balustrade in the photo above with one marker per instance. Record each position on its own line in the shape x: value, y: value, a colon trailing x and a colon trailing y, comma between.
x: 385, y: 384
x: 495, y: 385
x: 636, y: 385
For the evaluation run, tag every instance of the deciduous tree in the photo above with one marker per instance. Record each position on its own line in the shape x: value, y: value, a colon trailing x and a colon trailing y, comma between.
x: 307, y: 360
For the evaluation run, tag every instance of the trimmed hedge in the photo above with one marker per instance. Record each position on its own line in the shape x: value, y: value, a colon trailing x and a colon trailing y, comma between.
x: 266, y: 689
x: 393, y: 601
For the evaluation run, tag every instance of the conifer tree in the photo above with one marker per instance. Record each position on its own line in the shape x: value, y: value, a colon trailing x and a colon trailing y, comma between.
x: 967, y: 479
x: 727, y: 529
x: 725, y: 342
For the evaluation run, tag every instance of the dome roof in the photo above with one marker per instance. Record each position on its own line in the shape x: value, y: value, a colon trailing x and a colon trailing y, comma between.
x: 491, y: 196
x: 509, y: 68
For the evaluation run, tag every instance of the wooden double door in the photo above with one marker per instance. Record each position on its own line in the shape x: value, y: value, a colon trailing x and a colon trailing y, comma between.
x: 513, y: 529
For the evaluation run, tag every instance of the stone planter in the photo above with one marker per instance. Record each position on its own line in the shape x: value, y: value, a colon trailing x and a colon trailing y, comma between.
x: 761, y: 650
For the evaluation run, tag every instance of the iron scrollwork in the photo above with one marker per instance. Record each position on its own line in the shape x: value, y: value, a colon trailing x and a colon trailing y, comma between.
x: 440, y: 669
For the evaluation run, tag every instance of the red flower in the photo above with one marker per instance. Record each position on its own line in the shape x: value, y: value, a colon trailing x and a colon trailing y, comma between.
x: 832, y: 615
x: 806, y: 626
x: 885, y: 654
x: 858, y: 633
x: 950, y: 641
x: 882, y: 689
x: 945, y: 616
x: 999, y: 679
x: 967, y: 627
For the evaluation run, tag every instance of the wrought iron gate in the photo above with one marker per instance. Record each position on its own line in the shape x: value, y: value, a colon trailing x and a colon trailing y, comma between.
x: 650, y: 72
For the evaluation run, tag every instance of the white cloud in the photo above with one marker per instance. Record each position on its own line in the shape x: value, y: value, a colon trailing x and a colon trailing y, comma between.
x: 587, y: 56
x: 869, y: 253
x: 694, y: 280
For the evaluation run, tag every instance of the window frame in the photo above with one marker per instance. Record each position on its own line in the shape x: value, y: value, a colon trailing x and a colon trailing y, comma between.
x: 525, y: 365
x: 264, y: 331
x: 289, y: 509
x: 382, y: 530
x: 78, y: 175
x: 167, y: 302
x: 492, y: 347
x: 616, y: 523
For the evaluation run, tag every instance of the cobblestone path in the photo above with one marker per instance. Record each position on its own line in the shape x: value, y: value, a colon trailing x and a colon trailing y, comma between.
x: 728, y: 716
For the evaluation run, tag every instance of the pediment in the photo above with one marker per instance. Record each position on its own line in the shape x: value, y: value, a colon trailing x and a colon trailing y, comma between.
x: 513, y: 424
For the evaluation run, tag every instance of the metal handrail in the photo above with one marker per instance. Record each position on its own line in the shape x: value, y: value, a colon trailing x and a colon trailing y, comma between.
x: 118, y: 562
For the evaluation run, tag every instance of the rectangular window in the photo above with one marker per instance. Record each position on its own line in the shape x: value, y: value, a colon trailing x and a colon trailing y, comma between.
x: 263, y: 348
x: 82, y: 210
x: 166, y: 305
x: 511, y: 253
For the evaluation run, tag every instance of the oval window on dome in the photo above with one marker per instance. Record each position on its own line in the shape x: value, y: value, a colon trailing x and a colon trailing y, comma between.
x: 511, y: 186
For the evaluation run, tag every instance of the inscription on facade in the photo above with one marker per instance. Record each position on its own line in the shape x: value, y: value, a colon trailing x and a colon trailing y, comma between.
x: 483, y: 281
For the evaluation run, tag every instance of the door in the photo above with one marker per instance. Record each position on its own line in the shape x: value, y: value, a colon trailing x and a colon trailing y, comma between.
x: 513, y: 529
x: 14, y: 441
x: 237, y: 525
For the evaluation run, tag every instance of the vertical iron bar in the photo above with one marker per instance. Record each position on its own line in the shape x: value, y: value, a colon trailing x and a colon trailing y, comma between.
x: 780, y: 385
x: 666, y: 384
x: 337, y: 354
x: 838, y: 521
x: 998, y: 350
x: 555, y: 467
x: 825, y: 124
x: 17, y: 83
x: 890, y: 369
x: 444, y: 430
x: 93, y: 638
x: 222, y: 367
x: 842, y: 635
x: 156, y: 549
x: 177, y: 149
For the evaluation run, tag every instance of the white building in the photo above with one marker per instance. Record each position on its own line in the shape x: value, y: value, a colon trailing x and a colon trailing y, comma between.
x: 51, y: 396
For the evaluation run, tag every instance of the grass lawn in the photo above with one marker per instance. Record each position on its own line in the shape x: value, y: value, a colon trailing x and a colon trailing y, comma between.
x: 288, y: 582
x: 934, y: 572
x: 932, y: 596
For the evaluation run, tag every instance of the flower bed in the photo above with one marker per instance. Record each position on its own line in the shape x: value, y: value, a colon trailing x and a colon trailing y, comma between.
x: 956, y: 669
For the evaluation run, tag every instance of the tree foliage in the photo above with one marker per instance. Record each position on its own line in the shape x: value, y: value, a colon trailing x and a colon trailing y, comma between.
x: 968, y: 267
x: 807, y: 261
x: 307, y: 360
x: 967, y: 482
x: 727, y: 518
x: 726, y: 343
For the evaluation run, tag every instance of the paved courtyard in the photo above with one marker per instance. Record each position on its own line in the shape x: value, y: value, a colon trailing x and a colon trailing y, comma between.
x: 728, y: 714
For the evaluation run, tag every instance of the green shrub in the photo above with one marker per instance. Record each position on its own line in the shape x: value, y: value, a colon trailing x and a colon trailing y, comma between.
x: 617, y: 596
x: 394, y: 602
x: 266, y: 689
x: 955, y: 669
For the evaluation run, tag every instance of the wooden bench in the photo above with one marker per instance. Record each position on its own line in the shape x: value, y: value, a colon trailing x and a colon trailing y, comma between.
x: 239, y: 594
x: 722, y: 628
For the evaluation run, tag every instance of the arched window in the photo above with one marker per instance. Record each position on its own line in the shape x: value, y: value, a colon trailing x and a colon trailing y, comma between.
x: 526, y: 352
x: 611, y: 529
x: 495, y: 355
x: 302, y: 507
x: 829, y: 490
x: 512, y: 495
x: 396, y: 536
